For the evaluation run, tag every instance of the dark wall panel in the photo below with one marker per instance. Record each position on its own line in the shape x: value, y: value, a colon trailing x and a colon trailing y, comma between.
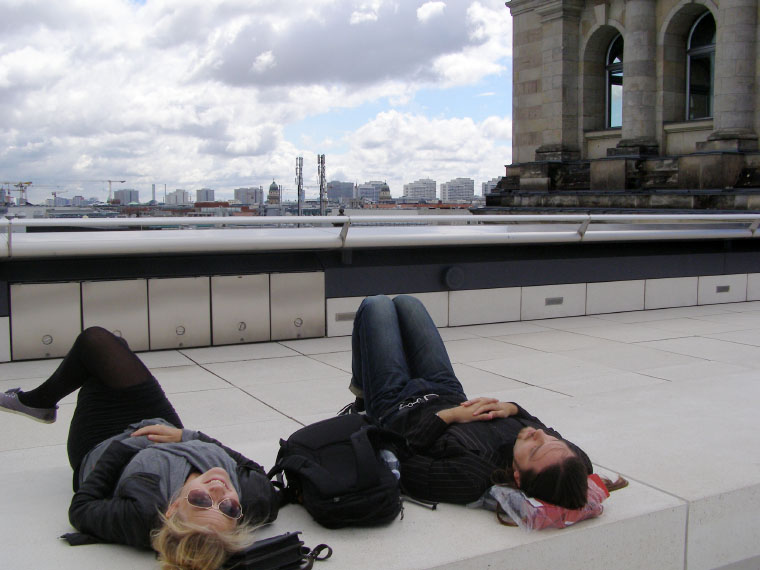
x: 414, y: 270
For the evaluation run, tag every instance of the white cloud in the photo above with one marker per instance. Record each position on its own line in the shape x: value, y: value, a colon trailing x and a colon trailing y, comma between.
x: 490, y: 31
x: 429, y: 10
x: 367, y: 11
x: 361, y: 17
x: 202, y: 92
x: 418, y: 146
x: 263, y: 62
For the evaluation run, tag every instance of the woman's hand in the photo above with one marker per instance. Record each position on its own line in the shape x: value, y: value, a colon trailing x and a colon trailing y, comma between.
x: 160, y: 433
x: 478, y: 410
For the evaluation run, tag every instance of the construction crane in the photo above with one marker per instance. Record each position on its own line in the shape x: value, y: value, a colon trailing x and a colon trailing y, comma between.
x: 55, y: 195
x: 20, y: 188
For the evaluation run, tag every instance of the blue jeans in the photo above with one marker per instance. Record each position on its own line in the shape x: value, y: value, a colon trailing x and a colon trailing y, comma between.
x: 398, y: 354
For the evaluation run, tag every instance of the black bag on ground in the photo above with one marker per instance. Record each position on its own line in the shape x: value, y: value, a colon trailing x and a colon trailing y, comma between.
x: 333, y: 469
x: 281, y: 552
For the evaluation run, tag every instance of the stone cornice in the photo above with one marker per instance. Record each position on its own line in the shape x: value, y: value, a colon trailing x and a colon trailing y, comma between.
x: 547, y: 8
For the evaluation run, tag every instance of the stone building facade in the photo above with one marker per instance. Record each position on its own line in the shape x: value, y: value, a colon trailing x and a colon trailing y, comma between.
x: 633, y: 95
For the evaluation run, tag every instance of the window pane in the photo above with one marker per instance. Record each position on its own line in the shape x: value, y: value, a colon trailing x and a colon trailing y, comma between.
x: 614, y: 72
x: 700, y: 86
x: 703, y: 33
x: 616, y: 104
x: 701, y: 65
x: 616, y: 51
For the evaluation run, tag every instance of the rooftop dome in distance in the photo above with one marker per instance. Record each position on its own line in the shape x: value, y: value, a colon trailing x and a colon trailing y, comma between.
x: 273, y: 186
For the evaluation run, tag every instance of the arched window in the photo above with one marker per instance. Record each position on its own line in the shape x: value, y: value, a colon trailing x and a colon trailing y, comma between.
x: 700, y: 67
x: 614, y: 73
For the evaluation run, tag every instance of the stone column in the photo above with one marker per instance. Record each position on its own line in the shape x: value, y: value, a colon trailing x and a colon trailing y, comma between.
x: 639, y: 132
x: 560, y: 20
x: 734, y: 88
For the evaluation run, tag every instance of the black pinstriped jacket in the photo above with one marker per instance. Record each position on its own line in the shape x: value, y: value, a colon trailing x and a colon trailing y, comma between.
x: 454, y: 463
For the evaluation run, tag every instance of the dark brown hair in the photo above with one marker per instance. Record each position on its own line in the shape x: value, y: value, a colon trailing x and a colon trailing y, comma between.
x: 564, y: 484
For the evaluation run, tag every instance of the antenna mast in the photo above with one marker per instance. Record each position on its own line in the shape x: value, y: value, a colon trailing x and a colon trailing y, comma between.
x: 299, y: 183
x: 322, y: 189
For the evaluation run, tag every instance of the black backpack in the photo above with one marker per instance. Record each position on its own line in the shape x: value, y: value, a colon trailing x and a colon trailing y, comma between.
x: 333, y: 469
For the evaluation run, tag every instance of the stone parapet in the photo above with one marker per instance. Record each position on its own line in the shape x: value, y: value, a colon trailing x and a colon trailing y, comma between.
x: 645, y: 200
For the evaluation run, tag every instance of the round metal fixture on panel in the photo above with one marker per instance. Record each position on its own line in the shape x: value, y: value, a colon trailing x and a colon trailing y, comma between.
x: 454, y: 277
x: 117, y: 332
x: 242, y: 326
x: 47, y: 339
x: 298, y: 322
x: 180, y: 330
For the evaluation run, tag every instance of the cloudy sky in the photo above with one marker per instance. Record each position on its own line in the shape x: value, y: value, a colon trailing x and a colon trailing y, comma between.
x: 227, y: 93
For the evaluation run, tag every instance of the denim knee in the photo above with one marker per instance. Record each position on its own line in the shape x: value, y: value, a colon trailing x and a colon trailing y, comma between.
x: 406, y: 302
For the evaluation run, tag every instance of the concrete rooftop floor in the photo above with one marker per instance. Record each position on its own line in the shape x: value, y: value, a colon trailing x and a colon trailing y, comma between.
x: 668, y: 398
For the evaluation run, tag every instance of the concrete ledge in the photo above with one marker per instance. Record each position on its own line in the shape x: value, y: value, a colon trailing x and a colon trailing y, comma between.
x: 665, y: 397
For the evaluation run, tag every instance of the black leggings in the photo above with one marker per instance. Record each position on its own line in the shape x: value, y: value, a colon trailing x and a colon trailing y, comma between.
x: 115, y: 390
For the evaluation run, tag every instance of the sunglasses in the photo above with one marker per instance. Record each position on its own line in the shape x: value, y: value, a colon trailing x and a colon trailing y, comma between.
x: 229, y: 507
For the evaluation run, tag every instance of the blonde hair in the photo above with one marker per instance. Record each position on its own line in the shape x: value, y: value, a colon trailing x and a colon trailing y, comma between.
x: 182, y: 545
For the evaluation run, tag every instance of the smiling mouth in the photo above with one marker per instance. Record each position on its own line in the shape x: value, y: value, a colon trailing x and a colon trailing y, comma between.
x: 220, y: 481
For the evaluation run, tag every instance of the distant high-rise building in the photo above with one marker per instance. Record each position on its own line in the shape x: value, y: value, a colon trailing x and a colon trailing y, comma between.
x: 126, y: 196
x: 370, y: 191
x: 340, y: 192
x: 204, y: 195
x: 249, y: 196
x: 488, y: 187
x: 57, y: 202
x: 422, y: 189
x: 78, y: 201
x: 458, y: 189
x: 273, y: 198
x: 178, y: 198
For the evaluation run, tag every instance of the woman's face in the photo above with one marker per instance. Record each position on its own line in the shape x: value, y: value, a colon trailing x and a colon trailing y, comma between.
x: 216, y: 482
x: 536, y: 450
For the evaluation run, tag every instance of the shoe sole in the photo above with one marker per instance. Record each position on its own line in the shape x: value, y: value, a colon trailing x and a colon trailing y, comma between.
x: 19, y: 413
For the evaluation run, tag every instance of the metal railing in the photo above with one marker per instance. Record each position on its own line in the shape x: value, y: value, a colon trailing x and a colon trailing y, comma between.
x: 174, y: 235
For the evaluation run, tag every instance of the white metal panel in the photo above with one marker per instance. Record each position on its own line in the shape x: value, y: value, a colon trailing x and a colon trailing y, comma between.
x: 5, y: 339
x: 240, y: 308
x: 670, y: 292
x: 753, y: 287
x: 179, y: 312
x: 481, y: 306
x: 340, y: 315
x: 614, y: 297
x: 713, y: 289
x: 341, y: 311
x: 297, y: 303
x: 550, y: 301
x: 45, y: 319
x: 120, y: 307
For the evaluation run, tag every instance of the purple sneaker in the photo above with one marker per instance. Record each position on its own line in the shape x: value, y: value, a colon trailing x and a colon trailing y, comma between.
x: 9, y: 402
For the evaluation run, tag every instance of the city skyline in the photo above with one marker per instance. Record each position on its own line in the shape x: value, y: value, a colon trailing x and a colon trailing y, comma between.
x: 426, y: 189
x: 218, y: 95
